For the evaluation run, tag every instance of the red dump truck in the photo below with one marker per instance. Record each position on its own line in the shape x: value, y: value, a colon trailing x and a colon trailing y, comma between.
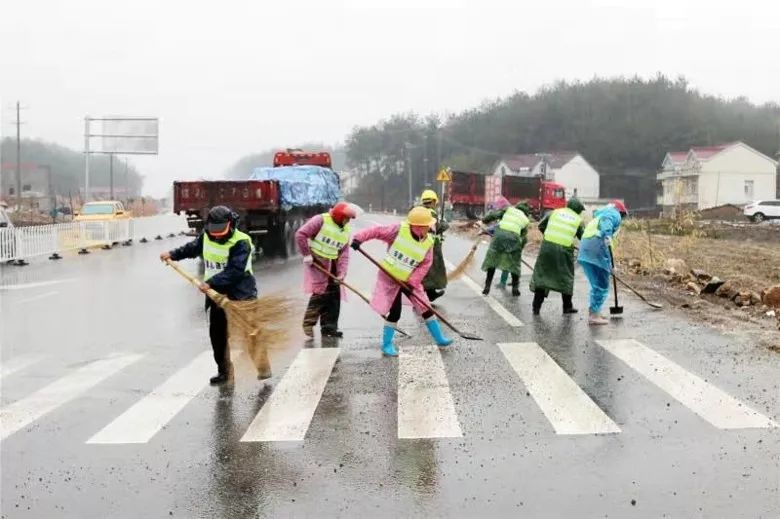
x: 466, y: 193
x: 272, y: 204
x: 472, y: 193
x: 541, y: 195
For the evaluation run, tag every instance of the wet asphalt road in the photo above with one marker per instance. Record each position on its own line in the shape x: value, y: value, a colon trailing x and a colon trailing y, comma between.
x: 525, y: 442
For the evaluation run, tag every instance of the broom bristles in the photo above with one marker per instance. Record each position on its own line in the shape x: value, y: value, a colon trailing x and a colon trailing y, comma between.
x: 266, y: 322
x: 463, y: 266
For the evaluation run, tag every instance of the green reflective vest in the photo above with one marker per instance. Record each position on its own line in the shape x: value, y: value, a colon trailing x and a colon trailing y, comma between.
x: 562, y: 227
x: 592, y: 229
x: 514, y: 220
x: 215, y: 255
x: 406, y: 253
x: 331, y: 238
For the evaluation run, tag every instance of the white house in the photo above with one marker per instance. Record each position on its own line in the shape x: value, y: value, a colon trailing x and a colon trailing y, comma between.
x: 569, y: 168
x: 710, y: 176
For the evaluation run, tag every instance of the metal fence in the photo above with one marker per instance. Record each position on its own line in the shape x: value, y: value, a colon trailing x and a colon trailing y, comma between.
x: 22, y: 243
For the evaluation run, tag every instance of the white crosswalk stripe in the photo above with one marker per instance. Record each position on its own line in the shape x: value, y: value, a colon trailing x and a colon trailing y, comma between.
x: 425, y: 406
x: 150, y: 414
x: 289, y: 411
x: 497, y: 307
x: 15, y: 364
x: 23, y: 412
x: 568, y: 408
x: 712, y: 404
x: 425, y: 403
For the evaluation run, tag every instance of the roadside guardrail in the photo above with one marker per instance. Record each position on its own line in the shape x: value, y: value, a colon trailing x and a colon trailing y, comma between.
x: 18, y: 244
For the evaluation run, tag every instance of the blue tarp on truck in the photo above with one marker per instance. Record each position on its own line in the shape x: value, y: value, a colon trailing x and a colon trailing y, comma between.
x: 302, y: 186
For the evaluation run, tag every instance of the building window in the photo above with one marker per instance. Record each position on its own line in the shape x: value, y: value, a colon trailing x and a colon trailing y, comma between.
x: 749, y: 189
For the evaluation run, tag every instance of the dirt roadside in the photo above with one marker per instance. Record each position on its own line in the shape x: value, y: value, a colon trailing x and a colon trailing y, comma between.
x: 674, y: 269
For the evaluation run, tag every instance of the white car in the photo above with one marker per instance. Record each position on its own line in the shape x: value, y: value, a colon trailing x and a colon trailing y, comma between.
x: 761, y: 210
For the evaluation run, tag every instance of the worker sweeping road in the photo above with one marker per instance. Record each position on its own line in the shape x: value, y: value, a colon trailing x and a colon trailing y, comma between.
x: 409, y: 256
x: 554, y: 268
x: 595, y: 257
x: 436, y: 280
x: 501, y: 203
x: 506, y: 248
x: 227, y: 257
x: 323, y: 240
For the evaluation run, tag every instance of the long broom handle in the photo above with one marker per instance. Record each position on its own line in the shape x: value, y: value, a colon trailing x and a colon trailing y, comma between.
x: 357, y: 292
x: 341, y: 282
x: 219, y: 299
x: 410, y: 291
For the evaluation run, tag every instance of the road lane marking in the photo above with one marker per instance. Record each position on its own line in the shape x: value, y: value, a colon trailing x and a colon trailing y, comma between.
x: 149, y: 415
x: 710, y: 403
x: 497, y: 307
x: 24, y: 286
x: 23, y: 412
x: 290, y: 408
x: 17, y: 364
x: 425, y: 406
x: 568, y: 408
x: 39, y: 296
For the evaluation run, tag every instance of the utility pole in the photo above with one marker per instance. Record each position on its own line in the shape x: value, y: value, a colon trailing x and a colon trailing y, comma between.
x: 18, y: 123
x: 426, y: 171
x: 111, y: 175
x: 408, y: 147
x: 52, y: 196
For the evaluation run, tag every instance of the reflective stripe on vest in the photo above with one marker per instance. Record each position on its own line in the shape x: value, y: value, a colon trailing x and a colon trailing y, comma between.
x: 592, y: 229
x: 331, y: 238
x: 514, y: 220
x: 406, y: 253
x: 215, y: 255
x: 562, y: 227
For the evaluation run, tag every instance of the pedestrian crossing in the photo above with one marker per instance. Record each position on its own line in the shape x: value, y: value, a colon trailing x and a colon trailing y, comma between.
x: 425, y: 407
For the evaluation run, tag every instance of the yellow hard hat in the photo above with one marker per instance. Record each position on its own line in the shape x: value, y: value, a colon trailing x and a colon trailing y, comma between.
x: 421, y: 216
x: 429, y: 194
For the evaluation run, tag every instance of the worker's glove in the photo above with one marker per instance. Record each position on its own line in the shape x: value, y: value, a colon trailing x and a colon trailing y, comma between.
x: 308, y: 260
x: 608, y: 241
x: 355, y: 244
x: 165, y: 256
x: 406, y: 290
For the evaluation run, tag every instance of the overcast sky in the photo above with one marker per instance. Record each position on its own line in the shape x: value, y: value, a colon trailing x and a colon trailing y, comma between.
x: 229, y: 78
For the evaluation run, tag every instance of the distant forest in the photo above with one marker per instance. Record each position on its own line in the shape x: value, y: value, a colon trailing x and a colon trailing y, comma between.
x: 67, y: 168
x: 623, y: 127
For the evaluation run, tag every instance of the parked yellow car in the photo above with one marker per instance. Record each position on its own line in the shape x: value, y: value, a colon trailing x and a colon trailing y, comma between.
x: 106, y: 210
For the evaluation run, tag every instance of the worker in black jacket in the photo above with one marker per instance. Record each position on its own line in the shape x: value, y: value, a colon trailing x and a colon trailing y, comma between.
x: 227, y: 258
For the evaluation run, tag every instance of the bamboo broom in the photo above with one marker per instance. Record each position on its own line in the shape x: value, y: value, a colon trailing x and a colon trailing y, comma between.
x: 260, y: 324
x: 466, y: 263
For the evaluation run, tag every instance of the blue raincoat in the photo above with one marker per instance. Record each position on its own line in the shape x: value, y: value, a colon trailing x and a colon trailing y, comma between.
x: 594, y: 256
x: 594, y: 250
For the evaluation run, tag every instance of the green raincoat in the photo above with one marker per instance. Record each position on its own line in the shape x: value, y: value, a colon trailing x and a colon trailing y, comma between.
x: 554, y: 268
x: 506, y: 248
x: 436, y: 278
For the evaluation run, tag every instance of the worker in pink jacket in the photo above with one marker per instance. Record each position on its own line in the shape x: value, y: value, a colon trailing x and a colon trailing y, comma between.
x: 408, y: 258
x: 323, y: 242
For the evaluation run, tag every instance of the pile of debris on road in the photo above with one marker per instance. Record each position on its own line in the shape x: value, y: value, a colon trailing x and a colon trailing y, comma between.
x: 736, y: 292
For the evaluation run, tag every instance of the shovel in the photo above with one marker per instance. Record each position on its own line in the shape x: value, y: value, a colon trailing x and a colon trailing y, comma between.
x: 408, y: 291
x: 651, y: 304
x: 616, y: 309
x: 358, y: 293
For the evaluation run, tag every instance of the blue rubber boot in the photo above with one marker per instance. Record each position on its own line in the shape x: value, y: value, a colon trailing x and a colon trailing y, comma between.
x: 388, y: 349
x: 438, y: 336
x: 504, y: 278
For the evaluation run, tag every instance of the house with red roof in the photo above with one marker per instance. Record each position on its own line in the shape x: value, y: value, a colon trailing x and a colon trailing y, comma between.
x: 569, y: 168
x: 711, y: 176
